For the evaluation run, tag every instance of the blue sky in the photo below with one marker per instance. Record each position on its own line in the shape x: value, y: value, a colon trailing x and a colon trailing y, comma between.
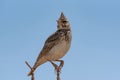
x: 95, y: 50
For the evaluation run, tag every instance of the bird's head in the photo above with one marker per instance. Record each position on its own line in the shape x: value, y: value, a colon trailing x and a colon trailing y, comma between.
x: 62, y: 22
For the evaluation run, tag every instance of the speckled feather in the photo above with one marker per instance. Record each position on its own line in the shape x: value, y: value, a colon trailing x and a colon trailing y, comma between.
x: 52, y: 41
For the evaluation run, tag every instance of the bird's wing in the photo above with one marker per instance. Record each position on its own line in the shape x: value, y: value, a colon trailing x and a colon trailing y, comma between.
x: 49, y: 43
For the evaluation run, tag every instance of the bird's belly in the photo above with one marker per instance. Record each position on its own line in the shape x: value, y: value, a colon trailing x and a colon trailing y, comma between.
x: 58, y: 51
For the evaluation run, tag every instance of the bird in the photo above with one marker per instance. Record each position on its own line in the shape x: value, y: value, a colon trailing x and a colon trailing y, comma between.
x: 56, y: 46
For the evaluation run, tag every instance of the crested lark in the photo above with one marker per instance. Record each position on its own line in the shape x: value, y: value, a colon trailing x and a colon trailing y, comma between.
x: 56, y: 46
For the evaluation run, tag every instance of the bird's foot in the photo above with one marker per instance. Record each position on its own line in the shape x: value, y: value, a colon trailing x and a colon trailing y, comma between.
x: 60, y: 66
x: 58, y: 70
x: 56, y: 67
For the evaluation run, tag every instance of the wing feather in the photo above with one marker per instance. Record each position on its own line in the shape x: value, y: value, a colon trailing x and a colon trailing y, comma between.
x: 49, y: 43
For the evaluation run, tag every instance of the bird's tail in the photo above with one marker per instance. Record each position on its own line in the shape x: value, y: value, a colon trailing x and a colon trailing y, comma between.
x: 31, y: 72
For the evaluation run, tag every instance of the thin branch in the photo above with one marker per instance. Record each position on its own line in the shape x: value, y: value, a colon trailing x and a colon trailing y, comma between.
x: 28, y: 65
x: 58, y: 75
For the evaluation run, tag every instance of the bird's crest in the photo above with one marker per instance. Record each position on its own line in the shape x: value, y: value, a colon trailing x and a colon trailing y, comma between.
x: 62, y: 22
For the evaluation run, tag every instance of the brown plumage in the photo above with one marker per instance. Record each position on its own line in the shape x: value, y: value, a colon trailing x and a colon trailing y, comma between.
x: 56, y: 46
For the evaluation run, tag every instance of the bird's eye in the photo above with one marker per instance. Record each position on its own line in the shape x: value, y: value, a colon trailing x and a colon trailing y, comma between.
x: 64, y: 21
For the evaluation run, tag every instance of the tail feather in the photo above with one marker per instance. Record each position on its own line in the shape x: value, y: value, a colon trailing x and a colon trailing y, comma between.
x: 31, y: 72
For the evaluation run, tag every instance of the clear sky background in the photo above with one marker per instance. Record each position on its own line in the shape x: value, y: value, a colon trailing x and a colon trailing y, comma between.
x: 95, y: 50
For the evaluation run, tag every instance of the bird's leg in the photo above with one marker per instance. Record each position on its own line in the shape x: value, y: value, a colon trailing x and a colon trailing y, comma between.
x: 55, y: 65
x: 60, y: 66
x: 57, y: 68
